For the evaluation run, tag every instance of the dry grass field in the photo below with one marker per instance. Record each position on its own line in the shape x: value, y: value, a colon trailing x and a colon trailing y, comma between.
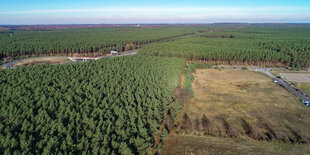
x: 207, y: 145
x: 243, y: 105
x: 305, y: 87
x: 43, y: 61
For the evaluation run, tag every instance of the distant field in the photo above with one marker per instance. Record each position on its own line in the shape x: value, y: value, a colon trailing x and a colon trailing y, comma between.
x: 243, y: 104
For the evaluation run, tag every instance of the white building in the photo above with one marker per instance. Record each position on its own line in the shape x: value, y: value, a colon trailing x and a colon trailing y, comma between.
x: 114, y: 53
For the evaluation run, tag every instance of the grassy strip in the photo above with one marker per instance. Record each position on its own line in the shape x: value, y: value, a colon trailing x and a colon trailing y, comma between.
x: 189, y: 78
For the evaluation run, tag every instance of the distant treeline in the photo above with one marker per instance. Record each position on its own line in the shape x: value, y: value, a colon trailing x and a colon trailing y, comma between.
x: 269, y: 44
x: 252, y: 45
x: 84, y: 41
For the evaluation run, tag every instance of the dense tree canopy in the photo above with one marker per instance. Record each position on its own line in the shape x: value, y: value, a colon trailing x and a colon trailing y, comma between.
x: 255, y: 45
x: 110, y: 106
x: 117, y: 105
x: 84, y: 40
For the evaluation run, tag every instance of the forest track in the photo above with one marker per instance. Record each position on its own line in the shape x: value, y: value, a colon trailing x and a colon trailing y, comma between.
x: 157, y: 138
x: 11, y: 64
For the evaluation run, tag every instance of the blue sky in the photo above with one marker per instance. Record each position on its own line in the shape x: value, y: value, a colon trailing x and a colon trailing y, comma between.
x: 160, y: 11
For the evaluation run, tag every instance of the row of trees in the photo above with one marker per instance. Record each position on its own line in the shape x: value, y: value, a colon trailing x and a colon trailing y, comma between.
x: 297, y: 50
x: 83, y: 41
x: 286, y: 46
x: 110, y: 106
x: 215, y: 50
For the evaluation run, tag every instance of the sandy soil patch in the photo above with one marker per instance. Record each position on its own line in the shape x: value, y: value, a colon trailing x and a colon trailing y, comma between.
x: 295, y: 77
x: 43, y: 61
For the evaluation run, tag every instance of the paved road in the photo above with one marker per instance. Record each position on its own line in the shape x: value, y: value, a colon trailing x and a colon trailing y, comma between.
x: 297, y: 77
x: 11, y: 64
x: 279, y: 81
x: 283, y: 83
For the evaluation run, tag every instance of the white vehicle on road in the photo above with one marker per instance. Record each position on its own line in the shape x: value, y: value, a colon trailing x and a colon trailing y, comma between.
x: 306, y: 103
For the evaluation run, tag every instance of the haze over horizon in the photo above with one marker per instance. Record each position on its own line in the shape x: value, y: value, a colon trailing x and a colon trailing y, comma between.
x: 19, y: 12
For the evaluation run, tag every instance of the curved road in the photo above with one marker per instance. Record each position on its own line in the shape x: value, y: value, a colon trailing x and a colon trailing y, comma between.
x: 282, y: 83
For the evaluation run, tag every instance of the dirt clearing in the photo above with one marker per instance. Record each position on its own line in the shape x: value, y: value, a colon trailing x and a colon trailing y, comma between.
x: 295, y: 77
x: 43, y: 61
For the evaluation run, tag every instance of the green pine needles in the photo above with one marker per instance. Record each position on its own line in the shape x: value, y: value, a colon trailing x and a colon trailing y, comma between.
x: 109, y: 106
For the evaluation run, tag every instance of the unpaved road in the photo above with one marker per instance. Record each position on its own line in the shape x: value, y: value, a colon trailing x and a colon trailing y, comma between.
x: 11, y: 64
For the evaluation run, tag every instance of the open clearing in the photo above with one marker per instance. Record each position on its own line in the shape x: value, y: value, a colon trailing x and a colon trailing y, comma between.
x: 202, y: 145
x: 43, y: 61
x: 243, y: 105
x: 295, y: 77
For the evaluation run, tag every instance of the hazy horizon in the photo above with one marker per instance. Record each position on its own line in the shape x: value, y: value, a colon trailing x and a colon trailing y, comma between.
x: 133, y: 24
x: 35, y: 12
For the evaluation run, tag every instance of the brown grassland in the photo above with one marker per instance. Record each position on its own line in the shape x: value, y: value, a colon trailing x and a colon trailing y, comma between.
x: 204, y: 145
x: 305, y: 87
x: 240, y: 111
x: 43, y: 61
